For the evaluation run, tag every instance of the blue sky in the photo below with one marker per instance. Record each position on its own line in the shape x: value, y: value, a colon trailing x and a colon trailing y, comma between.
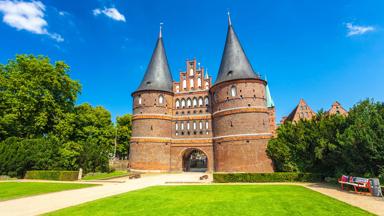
x: 321, y: 51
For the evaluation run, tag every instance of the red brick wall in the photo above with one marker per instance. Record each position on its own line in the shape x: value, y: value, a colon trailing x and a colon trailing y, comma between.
x: 241, y: 127
x: 242, y: 156
x: 149, y: 156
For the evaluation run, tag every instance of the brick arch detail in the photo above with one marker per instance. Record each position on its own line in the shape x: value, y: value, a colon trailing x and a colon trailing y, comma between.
x: 177, y: 154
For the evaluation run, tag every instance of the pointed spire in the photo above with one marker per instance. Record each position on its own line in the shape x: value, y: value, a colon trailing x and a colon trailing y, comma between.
x: 161, y: 29
x: 270, y: 102
x: 158, y: 76
x: 229, y: 18
x: 234, y: 63
x: 206, y: 74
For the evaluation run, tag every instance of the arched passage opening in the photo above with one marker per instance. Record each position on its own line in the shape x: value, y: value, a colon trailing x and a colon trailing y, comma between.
x: 195, y: 160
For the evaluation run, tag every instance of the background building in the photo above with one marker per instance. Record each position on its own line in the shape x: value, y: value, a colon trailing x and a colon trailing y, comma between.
x: 301, y: 111
x: 337, y: 109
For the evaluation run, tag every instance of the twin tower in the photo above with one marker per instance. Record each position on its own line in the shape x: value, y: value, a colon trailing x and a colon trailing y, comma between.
x: 192, y: 125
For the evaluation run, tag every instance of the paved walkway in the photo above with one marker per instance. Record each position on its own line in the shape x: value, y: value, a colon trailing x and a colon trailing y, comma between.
x: 40, y: 204
x: 35, y: 205
x: 374, y: 205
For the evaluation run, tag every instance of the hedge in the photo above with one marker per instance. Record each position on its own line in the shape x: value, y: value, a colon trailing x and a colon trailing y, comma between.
x: 52, y: 175
x: 267, y: 177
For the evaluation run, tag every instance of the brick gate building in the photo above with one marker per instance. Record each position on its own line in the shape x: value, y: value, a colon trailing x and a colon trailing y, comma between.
x: 224, y: 127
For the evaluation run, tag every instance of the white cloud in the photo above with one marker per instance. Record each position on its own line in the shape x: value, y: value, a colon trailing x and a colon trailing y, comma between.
x: 357, y: 29
x: 27, y: 16
x: 112, y: 13
x: 63, y: 13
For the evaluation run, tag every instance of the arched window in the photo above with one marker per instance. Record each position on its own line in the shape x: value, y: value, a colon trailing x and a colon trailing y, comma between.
x: 233, y: 91
x: 194, y: 102
x: 199, y: 82
x: 182, y: 125
x: 206, y: 101
x: 206, y: 125
x: 191, y: 84
x: 177, y: 126
x: 139, y: 99
x: 188, y: 126
x: 182, y: 103
x: 194, y: 125
x: 191, y: 72
x: 189, y: 102
x: 177, y: 88
x: 161, y: 99
x: 206, y: 85
x: 184, y: 84
x: 201, y: 125
x: 201, y: 101
x: 177, y: 104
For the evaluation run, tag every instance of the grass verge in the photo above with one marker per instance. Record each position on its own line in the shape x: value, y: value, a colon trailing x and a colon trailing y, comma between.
x: 12, y: 190
x: 104, y: 176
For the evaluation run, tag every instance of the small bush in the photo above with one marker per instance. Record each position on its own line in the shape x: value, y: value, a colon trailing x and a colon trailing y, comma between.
x: 52, y: 175
x: 266, y: 177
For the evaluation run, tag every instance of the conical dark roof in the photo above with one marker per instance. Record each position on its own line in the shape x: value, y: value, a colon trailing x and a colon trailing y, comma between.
x: 158, y: 76
x: 234, y: 63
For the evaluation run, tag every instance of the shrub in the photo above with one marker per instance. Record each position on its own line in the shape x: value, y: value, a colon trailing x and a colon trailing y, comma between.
x: 266, y: 177
x: 52, y: 175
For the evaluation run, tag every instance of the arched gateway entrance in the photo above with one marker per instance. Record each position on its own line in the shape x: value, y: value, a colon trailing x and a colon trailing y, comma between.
x: 195, y: 160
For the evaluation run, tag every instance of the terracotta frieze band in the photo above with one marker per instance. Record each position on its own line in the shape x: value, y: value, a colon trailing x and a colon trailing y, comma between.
x: 251, y: 109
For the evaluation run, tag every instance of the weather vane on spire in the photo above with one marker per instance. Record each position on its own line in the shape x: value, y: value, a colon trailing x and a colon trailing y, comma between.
x: 161, y: 28
x: 229, y: 17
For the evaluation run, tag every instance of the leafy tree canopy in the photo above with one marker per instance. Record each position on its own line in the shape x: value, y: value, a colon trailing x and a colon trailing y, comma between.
x: 40, y: 126
x: 333, y: 144
x: 34, y: 96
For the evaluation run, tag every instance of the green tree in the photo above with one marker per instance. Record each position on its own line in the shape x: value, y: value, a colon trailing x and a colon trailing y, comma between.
x: 333, y: 144
x: 88, y: 137
x: 34, y: 96
x: 364, y: 139
x: 19, y: 155
x: 124, y: 132
x: 40, y: 126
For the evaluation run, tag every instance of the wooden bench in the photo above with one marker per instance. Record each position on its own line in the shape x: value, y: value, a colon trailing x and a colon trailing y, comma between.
x: 356, y: 185
x: 134, y: 176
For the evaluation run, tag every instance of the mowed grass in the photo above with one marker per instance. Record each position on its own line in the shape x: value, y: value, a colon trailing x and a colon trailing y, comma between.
x: 12, y: 190
x: 101, y: 176
x: 216, y: 200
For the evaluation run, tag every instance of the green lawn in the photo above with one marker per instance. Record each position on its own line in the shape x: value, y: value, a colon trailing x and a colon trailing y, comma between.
x: 101, y: 176
x: 216, y: 200
x: 12, y: 190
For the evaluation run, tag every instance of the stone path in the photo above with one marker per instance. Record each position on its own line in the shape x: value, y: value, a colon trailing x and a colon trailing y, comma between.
x: 35, y: 205
x: 40, y: 204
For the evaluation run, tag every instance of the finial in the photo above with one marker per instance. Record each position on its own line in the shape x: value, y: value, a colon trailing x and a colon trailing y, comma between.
x: 161, y: 28
x: 229, y: 18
